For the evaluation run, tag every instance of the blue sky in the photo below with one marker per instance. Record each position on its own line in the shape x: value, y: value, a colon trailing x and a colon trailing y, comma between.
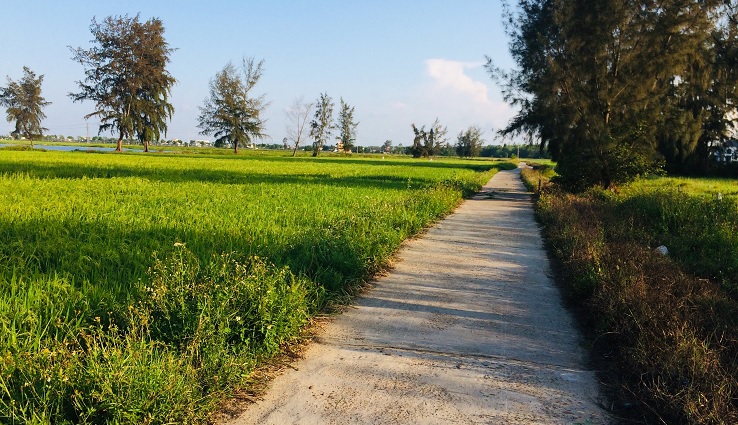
x: 397, y: 62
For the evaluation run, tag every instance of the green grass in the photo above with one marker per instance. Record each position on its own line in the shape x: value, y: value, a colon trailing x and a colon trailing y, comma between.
x: 694, y: 186
x: 538, y: 162
x: 696, y: 219
x: 145, y: 288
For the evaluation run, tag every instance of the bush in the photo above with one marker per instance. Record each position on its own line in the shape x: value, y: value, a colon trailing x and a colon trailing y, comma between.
x: 604, y: 166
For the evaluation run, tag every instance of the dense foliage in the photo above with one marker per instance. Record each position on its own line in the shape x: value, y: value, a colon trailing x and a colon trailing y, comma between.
x: 144, y: 289
x: 615, y: 88
x: 530, y: 151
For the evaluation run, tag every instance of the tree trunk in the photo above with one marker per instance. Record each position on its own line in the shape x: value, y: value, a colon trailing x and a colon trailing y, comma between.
x: 294, y: 151
x: 235, y: 148
x: 119, y: 146
x: 146, y: 146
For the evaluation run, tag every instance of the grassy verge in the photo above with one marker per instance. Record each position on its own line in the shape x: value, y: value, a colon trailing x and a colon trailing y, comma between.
x: 664, y: 328
x: 146, y: 288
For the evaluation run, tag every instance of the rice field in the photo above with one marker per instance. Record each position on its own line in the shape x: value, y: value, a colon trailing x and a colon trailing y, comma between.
x: 145, y: 288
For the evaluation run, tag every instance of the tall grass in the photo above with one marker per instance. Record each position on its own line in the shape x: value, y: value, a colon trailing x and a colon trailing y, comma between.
x: 144, y: 289
x: 663, y: 328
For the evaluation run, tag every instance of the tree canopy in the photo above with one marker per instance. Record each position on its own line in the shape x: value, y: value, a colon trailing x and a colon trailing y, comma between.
x: 321, y: 126
x: 614, y: 88
x: 469, y: 142
x: 126, y: 77
x: 25, y: 105
x: 231, y: 113
x: 346, y: 126
x: 427, y: 143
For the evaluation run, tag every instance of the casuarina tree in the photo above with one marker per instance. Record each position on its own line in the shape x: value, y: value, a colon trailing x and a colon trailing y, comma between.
x: 346, y: 127
x: 126, y: 77
x: 322, y: 124
x: 602, y: 84
x: 231, y: 113
x: 25, y: 105
x: 469, y: 142
x: 428, y: 143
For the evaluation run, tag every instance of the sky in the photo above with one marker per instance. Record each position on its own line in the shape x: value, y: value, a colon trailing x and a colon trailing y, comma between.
x: 397, y: 62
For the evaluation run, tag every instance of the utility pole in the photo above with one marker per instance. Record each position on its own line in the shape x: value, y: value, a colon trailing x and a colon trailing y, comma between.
x: 87, y: 137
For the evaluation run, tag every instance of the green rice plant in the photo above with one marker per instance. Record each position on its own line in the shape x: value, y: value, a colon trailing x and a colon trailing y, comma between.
x: 125, y: 378
x: 145, y: 288
x: 240, y: 302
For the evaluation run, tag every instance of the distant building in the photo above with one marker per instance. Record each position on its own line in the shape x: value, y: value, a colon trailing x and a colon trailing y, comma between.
x: 727, y: 152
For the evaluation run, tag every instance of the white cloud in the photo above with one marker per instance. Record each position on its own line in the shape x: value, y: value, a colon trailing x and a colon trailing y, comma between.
x: 454, y: 92
x: 459, y: 100
x: 450, y: 75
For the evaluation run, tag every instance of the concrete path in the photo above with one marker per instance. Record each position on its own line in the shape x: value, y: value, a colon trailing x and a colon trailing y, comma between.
x: 467, y: 329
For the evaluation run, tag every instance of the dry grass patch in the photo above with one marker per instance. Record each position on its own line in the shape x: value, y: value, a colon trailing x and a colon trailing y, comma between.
x: 666, y: 339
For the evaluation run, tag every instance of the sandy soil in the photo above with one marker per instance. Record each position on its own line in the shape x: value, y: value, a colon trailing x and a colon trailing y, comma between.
x: 466, y: 329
